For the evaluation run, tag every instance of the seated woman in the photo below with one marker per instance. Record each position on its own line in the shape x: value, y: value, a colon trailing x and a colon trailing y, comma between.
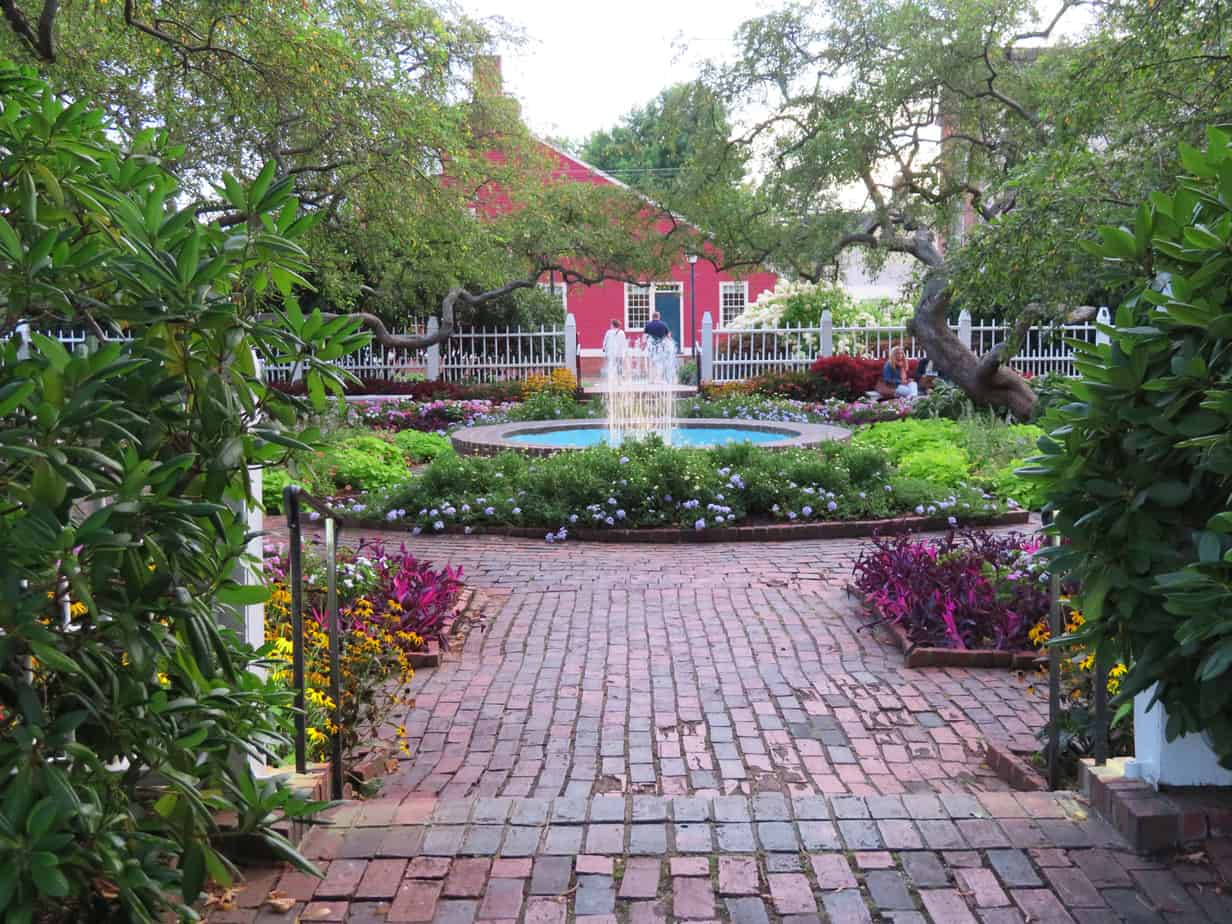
x: 896, y: 377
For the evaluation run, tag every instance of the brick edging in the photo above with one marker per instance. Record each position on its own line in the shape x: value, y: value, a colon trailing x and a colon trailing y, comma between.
x: 920, y: 656
x: 777, y: 532
x: 1012, y: 769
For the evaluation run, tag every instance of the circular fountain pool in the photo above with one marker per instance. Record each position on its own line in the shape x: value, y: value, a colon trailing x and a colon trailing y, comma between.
x: 549, y: 436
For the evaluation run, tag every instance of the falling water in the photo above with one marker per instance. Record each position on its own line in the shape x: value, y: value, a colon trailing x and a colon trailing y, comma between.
x: 640, y: 389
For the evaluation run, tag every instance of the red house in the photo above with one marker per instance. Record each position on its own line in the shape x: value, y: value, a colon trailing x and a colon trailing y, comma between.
x: 594, y: 307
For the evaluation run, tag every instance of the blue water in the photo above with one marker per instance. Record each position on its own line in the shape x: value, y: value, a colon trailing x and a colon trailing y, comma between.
x: 581, y: 437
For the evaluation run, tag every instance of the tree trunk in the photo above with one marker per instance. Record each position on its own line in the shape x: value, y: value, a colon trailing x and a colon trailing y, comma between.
x: 987, y: 383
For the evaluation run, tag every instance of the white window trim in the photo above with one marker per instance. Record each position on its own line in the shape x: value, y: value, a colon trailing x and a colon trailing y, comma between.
x: 562, y: 290
x: 652, y: 289
x: 744, y: 284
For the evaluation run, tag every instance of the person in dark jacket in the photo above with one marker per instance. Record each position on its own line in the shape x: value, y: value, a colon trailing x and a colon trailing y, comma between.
x: 655, y: 328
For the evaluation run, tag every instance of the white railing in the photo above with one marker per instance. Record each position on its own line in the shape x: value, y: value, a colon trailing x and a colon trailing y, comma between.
x: 730, y: 355
x: 478, y: 354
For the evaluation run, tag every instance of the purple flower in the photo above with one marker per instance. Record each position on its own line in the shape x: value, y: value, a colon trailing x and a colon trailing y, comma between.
x: 700, y: 524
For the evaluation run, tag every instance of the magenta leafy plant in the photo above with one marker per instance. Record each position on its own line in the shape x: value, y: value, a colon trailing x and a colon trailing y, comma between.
x: 973, y: 589
x: 425, y: 595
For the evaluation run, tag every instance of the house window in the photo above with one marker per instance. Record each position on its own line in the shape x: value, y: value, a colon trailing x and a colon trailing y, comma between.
x: 560, y: 291
x: 638, y: 300
x: 733, y: 299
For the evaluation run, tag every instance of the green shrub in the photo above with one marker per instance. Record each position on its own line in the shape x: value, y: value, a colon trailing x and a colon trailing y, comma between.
x: 545, y: 405
x: 904, y: 437
x: 649, y: 484
x: 123, y: 474
x: 364, y: 462
x: 943, y: 400
x: 1007, y: 483
x: 417, y: 446
x: 943, y: 465
x: 1138, y: 467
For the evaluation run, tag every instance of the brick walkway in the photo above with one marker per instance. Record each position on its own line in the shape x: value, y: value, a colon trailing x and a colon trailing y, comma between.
x: 644, y: 733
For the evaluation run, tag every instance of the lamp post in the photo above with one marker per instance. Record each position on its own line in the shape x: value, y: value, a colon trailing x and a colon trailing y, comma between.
x: 697, y: 365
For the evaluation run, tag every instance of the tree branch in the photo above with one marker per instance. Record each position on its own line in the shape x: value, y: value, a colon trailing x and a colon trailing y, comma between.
x: 41, y: 42
x: 1004, y: 351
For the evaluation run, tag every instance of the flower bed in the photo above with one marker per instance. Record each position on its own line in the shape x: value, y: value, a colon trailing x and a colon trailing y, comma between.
x: 977, y: 593
x: 651, y: 485
x: 741, y: 404
x: 392, y: 607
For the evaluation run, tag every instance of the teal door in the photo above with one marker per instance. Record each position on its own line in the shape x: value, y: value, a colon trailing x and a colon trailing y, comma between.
x: 668, y: 306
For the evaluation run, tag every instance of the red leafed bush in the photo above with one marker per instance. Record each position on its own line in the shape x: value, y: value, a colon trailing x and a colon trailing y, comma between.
x: 849, y: 377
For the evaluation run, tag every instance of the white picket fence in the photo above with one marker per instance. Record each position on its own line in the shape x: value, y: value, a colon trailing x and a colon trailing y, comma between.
x: 731, y: 355
x: 727, y: 355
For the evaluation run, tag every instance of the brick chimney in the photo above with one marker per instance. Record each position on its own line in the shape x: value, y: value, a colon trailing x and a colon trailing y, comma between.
x: 486, y: 77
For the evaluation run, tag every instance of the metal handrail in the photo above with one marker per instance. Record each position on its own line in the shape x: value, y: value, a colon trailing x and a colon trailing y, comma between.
x: 292, y: 496
x: 1099, y: 693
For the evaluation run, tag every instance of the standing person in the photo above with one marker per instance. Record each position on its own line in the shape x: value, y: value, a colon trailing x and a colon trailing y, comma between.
x: 655, y: 329
x: 614, y: 346
x: 896, y: 375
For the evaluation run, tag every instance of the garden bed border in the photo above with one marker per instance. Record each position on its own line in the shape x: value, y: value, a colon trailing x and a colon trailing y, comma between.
x: 776, y: 532
x: 923, y: 656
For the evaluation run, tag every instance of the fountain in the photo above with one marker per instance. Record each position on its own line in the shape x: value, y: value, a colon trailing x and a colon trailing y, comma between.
x: 640, y: 389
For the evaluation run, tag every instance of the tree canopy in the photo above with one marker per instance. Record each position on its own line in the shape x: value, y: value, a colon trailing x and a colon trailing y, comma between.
x: 982, y: 144
x: 363, y: 104
x: 651, y: 144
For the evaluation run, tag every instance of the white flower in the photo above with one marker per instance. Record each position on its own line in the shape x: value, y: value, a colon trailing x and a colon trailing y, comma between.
x: 806, y: 510
x: 919, y: 509
x: 516, y: 511
x: 438, y: 525
x: 489, y: 511
x: 700, y: 524
x: 573, y: 518
x: 609, y: 521
x: 791, y: 514
x: 620, y: 514
x: 467, y: 530
x: 832, y: 506
x: 611, y: 501
x: 953, y: 521
x: 416, y: 531
x: 433, y: 512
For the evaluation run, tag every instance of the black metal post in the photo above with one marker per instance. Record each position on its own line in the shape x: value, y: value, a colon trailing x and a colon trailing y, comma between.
x: 1054, y: 677
x: 697, y: 363
x: 335, y: 668
x: 1101, y: 709
x: 290, y: 501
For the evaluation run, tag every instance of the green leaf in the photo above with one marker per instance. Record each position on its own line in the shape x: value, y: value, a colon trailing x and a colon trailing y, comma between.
x: 53, y: 350
x: 261, y: 184
x: 193, y: 871
x: 41, y: 818
x: 242, y: 594
x: 45, y: 871
x: 1169, y: 493
x: 1216, y: 663
x: 13, y: 394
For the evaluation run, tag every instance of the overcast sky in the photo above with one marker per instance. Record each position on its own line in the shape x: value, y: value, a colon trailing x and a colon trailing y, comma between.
x: 585, y: 64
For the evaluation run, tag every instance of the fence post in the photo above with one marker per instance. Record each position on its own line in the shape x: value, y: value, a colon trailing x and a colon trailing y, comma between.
x: 827, y: 333
x: 23, y: 335
x: 434, y: 352
x: 571, y: 342
x: 964, y: 327
x: 1102, y: 317
x: 707, y: 367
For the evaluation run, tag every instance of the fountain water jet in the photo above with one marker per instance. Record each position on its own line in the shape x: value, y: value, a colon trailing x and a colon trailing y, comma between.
x: 640, y: 388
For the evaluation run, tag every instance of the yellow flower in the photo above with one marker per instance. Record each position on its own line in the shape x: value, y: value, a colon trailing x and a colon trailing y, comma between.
x: 315, y: 735
x: 163, y: 679
x: 78, y: 609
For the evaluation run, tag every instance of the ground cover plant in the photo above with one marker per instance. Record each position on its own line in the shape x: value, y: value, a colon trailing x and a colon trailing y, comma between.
x: 978, y: 448
x: 967, y: 590
x: 649, y: 484
x: 740, y: 403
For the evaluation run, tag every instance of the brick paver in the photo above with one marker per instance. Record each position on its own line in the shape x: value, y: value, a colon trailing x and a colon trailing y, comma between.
x: 624, y: 715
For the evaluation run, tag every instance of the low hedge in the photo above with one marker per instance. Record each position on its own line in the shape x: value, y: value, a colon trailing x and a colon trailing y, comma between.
x: 649, y: 484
